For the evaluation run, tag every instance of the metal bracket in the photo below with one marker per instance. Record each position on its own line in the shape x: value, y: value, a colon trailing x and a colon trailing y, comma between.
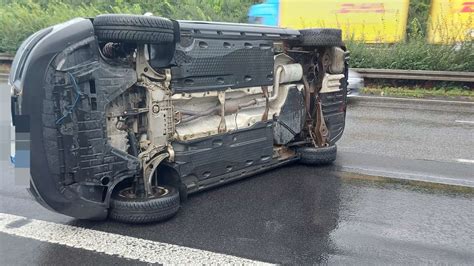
x: 149, y: 170
x: 222, y: 125
x: 321, y: 131
x: 171, y: 153
x: 144, y: 69
x: 160, y: 110
x: 267, y: 105
x: 309, y: 117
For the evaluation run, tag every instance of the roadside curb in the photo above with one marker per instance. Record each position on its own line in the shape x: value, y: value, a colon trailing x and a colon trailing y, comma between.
x: 387, y: 99
x: 441, y: 173
x: 408, y: 178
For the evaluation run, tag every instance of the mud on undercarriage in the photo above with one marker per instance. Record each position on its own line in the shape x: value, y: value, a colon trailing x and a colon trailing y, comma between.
x: 135, y: 112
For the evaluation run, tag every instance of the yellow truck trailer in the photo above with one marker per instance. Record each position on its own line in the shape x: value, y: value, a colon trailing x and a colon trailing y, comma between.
x: 370, y: 21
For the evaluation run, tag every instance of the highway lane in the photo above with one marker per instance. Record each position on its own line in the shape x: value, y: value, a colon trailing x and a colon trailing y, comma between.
x: 412, y: 139
x: 292, y: 215
x: 412, y: 129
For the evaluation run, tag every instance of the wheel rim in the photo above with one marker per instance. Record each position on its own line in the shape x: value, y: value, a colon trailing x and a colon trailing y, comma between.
x: 129, y: 193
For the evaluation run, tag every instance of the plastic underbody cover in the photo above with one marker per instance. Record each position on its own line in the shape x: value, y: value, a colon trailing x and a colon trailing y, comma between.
x: 215, y: 56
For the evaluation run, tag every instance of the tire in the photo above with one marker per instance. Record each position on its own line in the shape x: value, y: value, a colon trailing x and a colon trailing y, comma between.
x: 139, y: 210
x: 321, y: 37
x: 317, y: 156
x: 134, y: 28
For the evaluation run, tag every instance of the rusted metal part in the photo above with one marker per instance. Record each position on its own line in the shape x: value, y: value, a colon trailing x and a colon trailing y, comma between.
x: 311, y: 124
x: 307, y: 96
x: 222, y: 126
x: 315, y: 71
x: 283, y: 152
x: 326, y: 61
x: 309, y: 118
x: 267, y: 105
x: 321, y: 131
x: 312, y: 136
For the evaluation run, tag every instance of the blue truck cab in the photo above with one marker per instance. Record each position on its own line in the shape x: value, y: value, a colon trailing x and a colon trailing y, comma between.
x: 265, y: 13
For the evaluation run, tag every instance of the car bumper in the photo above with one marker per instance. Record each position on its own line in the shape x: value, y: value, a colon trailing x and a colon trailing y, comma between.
x: 36, y: 146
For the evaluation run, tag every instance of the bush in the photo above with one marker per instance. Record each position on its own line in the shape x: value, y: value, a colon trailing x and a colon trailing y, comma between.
x: 413, y: 54
x: 20, y: 18
x: 418, y: 15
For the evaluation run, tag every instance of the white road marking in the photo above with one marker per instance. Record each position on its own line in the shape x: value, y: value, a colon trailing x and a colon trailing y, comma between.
x: 464, y: 122
x: 113, y: 244
x: 465, y: 161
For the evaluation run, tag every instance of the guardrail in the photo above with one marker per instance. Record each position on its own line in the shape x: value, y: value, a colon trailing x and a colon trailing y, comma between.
x: 415, y: 74
x: 6, y: 57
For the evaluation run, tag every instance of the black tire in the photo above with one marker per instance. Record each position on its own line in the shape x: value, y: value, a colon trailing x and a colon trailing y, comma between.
x: 134, y: 28
x: 140, y: 210
x: 317, y: 156
x: 321, y: 37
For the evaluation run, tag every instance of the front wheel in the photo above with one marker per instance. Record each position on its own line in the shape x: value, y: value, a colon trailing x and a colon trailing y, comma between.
x: 134, y: 29
x: 317, y: 156
x: 126, y: 207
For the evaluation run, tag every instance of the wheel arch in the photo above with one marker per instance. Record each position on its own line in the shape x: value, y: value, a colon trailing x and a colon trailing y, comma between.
x: 168, y: 175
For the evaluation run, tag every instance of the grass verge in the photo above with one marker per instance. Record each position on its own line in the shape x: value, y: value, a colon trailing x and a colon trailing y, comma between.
x: 452, y: 93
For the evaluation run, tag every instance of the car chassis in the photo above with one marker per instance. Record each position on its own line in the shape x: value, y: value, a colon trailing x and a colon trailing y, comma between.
x: 126, y: 115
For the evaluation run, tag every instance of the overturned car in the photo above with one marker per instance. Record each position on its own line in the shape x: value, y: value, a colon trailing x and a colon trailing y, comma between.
x: 125, y: 115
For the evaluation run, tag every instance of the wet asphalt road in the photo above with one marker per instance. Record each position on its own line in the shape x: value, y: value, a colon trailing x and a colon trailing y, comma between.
x: 410, y: 129
x: 296, y: 214
x: 292, y: 215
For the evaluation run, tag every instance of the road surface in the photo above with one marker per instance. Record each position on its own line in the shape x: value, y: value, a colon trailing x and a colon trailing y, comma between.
x: 291, y: 215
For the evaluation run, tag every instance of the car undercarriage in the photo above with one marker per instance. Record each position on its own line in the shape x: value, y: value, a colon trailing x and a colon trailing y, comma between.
x: 125, y: 115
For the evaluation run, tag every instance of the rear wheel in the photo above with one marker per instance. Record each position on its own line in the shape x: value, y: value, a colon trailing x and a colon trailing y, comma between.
x: 321, y: 37
x: 126, y: 206
x: 134, y: 28
x: 317, y: 156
